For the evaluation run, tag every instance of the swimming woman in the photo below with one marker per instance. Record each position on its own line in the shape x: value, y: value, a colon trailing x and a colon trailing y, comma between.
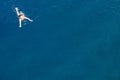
x: 21, y: 17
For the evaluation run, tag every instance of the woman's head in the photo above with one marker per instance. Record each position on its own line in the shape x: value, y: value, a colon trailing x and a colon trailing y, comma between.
x: 21, y: 13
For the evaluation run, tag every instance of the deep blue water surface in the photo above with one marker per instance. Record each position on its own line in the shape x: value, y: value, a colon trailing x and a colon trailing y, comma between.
x: 68, y: 40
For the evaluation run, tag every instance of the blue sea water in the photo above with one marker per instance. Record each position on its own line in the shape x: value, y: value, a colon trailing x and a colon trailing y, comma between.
x: 68, y: 40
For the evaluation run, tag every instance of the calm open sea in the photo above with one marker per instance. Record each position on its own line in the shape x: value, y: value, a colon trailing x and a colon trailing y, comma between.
x: 68, y: 40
